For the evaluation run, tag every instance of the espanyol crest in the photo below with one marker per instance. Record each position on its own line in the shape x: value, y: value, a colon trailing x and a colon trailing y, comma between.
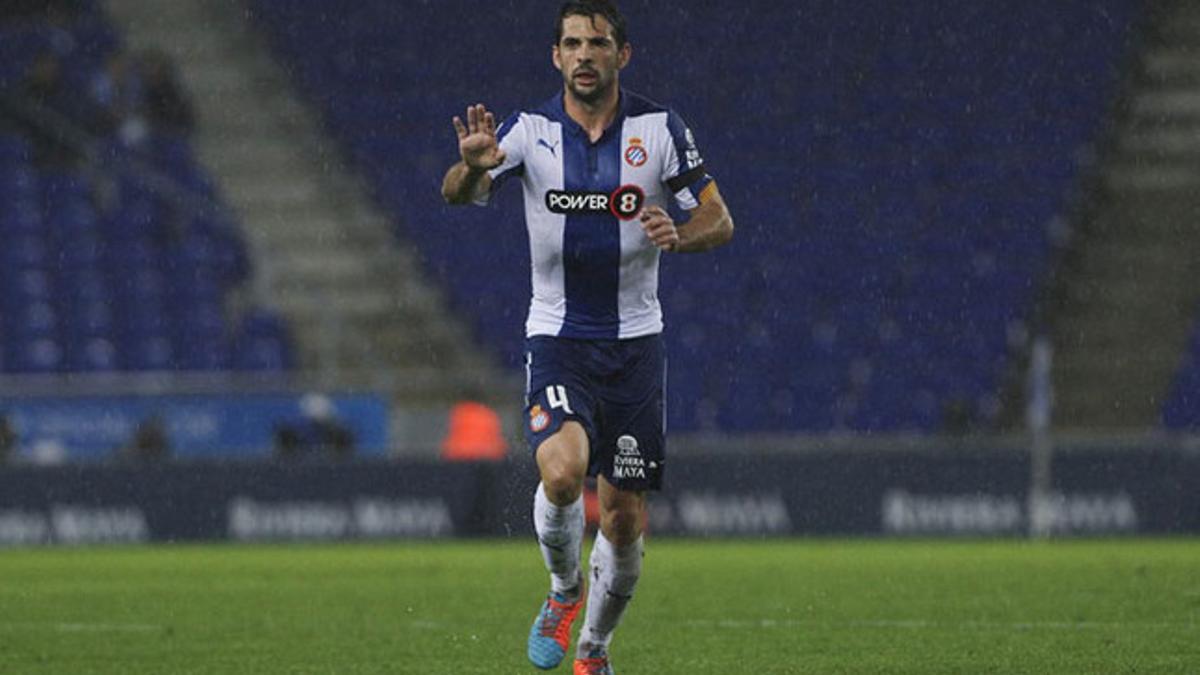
x: 636, y: 154
x: 538, y: 419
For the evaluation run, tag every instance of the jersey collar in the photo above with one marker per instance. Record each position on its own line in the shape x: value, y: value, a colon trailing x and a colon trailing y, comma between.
x: 560, y: 110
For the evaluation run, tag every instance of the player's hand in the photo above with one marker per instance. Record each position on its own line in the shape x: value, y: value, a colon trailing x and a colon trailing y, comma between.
x: 477, y: 139
x: 659, y: 228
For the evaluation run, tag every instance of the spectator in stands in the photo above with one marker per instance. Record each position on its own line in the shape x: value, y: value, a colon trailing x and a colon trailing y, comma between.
x: 61, y: 16
x: 43, y: 82
x: 8, y: 440
x: 958, y: 418
x: 14, y: 10
x: 45, y: 91
x: 116, y: 94
x: 474, y: 432
x: 149, y: 442
x: 318, y: 434
x: 165, y: 105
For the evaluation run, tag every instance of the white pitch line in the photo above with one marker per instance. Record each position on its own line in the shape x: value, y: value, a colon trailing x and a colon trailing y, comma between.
x: 108, y: 628
x: 921, y: 624
x: 747, y: 623
x: 79, y: 627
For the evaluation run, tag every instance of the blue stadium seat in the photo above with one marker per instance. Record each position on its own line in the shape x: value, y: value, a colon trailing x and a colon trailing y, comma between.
x: 138, y: 259
x: 80, y: 247
x: 15, y: 150
x: 34, y: 319
x: 18, y: 182
x: 83, y: 285
x: 1181, y: 410
x: 143, y: 325
x: 203, y: 355
x: 138, y: 219
x: 19, y: 45
x: 35, y: 355
x: 21, y: 217
x: 92, y: 355
x: 62, y: 186
x: 148, y: 352
x: 91, y: 319
x: 26, y: 274
x: 261, y: 354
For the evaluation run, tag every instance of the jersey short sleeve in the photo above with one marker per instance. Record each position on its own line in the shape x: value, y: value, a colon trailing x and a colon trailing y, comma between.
x: 684, y: 173
x: 511, y: 135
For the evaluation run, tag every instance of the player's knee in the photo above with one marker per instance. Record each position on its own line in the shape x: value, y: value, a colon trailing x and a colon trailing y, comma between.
x: 562, y: 477
x: 562, y: 462
x: 562, y: 486
x: 622, y: 525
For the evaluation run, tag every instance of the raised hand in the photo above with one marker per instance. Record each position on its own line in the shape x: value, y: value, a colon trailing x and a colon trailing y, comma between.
x: 477, y: 139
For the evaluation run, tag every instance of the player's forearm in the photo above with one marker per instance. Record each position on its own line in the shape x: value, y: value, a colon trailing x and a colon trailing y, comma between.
x: 463, y: 184
x: 710, y: 226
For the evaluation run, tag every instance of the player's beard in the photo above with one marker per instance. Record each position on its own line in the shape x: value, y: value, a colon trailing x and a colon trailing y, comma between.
x: 596, y: 93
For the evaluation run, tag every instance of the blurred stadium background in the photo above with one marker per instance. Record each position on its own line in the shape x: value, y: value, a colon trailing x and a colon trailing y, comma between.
x: 226, y: 274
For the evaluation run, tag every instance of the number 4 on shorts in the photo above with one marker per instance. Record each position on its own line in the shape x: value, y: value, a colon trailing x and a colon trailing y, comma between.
x: 556, y: 396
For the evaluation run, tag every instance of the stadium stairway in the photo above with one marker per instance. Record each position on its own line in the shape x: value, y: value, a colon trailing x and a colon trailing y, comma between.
x: 353, y: 295
x: 1127, y: 291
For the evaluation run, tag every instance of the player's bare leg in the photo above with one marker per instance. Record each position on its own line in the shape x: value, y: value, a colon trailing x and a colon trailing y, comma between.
x: 559, y: 521
x: 616, y: 565
x: 562, y: 462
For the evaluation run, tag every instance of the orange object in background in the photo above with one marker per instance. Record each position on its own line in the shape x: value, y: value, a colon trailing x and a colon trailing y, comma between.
x: 591, y: 507
x: 474, y: 433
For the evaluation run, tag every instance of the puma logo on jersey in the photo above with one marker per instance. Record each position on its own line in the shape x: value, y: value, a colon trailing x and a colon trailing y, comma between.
x: 545, y: 144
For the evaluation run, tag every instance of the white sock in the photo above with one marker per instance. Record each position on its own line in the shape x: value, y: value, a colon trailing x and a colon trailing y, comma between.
x: 615, y: 574
x: 560, y: 535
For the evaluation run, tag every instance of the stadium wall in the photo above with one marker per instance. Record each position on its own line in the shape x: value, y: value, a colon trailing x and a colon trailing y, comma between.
x: 1154, y: 490
x: 214, y: 425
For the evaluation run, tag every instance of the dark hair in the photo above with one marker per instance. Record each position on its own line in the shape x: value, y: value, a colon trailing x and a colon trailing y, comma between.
x: 592, y: 9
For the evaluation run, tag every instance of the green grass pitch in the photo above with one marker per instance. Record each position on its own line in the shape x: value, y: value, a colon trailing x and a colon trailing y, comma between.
x: 755, y: 607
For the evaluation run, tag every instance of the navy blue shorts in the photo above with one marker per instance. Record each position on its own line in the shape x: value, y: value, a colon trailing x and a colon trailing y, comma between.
x: 615, y: 389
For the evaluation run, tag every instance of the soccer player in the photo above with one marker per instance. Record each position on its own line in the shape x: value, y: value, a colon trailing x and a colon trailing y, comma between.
x: 598, y: 165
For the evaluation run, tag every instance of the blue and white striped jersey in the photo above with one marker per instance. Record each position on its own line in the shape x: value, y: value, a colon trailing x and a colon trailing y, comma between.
x: 595, y: 273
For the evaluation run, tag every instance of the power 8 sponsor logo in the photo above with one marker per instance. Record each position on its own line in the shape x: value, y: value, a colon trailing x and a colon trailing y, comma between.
x: 625, y: 202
